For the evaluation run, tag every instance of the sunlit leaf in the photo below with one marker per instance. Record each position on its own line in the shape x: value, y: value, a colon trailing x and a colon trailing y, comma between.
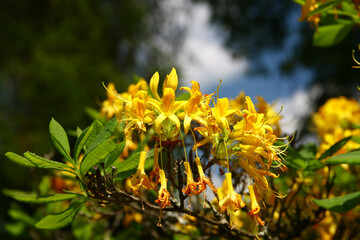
x: 41, y: 162
x: 62, y: 219
x: 346, y: 158
x: 115, y: 154
x: 87, y: 137
x: 104, y: 134
x: 334, y: 148
x: 97, y: 155
x: 59, y: 138
x: 19, y: 159
x: 39, y: 199
x: 329, y: 35
x: 340, y: 204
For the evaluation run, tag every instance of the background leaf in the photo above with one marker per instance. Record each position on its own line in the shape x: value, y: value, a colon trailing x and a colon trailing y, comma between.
x: 62, y: 219
x: 340, y: 204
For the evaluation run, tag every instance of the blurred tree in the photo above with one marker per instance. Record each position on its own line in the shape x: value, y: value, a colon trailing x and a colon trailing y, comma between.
x: 256, y: 27
x: 54, y: 55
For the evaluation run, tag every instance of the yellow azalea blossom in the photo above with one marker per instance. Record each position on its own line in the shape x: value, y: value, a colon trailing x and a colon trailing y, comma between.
x: 164, y: 195
x: 155, y: 173
x: 239, y: 101
x: 232, y: 202
x: 272, y: 118
x: 192, y: 108
x: 137, y: 115
x: 140, y: 179
x: 255, y: 208
x: 167, y: 106
x: 171, y: 80
x: 191, y: 185
x: 221, y: 112
x: 109, y: 107
x: 130, y: 216
x: 334, y: 121
x: 203, y: 180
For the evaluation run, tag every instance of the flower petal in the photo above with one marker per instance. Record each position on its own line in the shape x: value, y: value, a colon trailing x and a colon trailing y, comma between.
x: 154, y: 83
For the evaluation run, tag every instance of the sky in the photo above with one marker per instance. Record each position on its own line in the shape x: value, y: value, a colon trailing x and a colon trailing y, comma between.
x: 206, y: 60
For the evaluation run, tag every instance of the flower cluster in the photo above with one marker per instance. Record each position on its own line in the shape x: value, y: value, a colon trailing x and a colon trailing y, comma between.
x: 336, y: 119
x: 239, y: 138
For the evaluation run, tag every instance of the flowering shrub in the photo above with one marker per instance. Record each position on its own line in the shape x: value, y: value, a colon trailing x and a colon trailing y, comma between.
x: 158, y: 157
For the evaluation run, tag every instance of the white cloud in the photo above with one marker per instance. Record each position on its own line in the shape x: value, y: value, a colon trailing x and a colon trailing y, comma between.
x: 295, y: 108
x: 204, y: 58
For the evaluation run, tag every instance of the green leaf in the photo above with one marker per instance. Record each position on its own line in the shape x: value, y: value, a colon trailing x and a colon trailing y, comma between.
x: 41, y: 162
x: 104, y: 134
x: 329, y: 35
x: 60, y: 139
x: 308, y: 151
x: 340, y: 204
x: 325, y: 6
x: 39, y: 199
x: 314, y: 165
x: 115, y: 154
x: 128, y: 167
x: 87, y: 137
x: 97, y: 155
x: 356, y: 139
x: 346, y: 158
x: 62, y: 219
x: 19, y: 159
x: 334, y: 148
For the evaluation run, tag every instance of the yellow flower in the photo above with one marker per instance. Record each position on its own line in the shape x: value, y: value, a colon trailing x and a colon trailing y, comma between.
x: 334, y: 121
x: 137, y: 115
x: 164, y: 195
x: 255, y: 208
x: 155, y: 173
x: 140, y: 179
x: 232, y: 202
x: 192, y: 108
x: 191, y: 185
x: 109, y: 107
x: 272, y: 118
x: 167, y: 106
x: 221, y: 112
x: 203, y: 180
